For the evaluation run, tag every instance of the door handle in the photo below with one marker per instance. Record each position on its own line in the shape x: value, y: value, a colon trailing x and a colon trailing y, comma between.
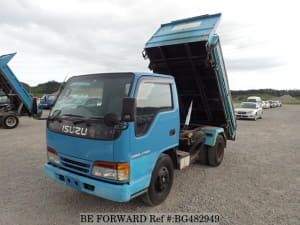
x: 172, y: 132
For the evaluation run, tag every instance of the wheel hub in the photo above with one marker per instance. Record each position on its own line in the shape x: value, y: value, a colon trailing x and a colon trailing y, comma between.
x: 162, y: 179
x: 11, y: 121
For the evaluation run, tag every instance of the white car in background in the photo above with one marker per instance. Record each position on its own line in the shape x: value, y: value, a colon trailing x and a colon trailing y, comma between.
x: 279, y: 104
x: 272, y: 104
x: 249, y: 110
x: 255, y: 99
x: 265, y: 105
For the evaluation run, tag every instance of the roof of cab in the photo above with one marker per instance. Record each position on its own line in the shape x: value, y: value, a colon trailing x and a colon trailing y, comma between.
x: 139, y: 74
x: 136, y: 74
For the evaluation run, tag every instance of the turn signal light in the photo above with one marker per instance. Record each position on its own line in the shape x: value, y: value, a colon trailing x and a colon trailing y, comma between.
x: 111, y: 170
x: 52, y: 155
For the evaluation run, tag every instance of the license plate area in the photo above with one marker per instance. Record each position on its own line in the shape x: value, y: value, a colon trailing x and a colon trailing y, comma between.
x: 74, y: 183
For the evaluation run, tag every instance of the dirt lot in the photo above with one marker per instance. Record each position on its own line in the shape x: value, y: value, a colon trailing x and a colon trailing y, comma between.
x: 258, y: 182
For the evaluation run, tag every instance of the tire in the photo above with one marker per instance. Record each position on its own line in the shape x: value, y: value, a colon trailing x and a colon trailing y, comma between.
x: 255, y: 118
x: 203, y: 156
x: 261, y: 114
x: 161, y: 181
x: 216, y: 153
x: 10, y: 121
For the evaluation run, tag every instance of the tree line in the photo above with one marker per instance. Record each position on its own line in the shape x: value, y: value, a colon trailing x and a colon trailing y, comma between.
x: 51, y: 87
x: 271, y: 92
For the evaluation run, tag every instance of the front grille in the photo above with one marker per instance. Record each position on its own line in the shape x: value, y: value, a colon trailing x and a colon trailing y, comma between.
x: 241, y: 112
x: 75, y: 164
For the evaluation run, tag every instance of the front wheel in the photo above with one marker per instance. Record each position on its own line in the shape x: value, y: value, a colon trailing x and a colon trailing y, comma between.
x: 216, y: 153
x: 161, y: 181
x: 255, y: 118
x: 10, y: 121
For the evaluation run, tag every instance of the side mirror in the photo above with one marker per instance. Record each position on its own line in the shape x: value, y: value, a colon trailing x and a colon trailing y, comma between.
x: 36, y: 112
x: 128, y: 110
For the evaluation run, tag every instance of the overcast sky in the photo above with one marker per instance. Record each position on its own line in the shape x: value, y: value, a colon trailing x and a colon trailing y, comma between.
x: 56, y: 38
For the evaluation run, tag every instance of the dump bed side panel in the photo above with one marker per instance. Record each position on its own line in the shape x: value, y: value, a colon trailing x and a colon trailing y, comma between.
x: 224, y: 89
x: 11, y: 86
x: 198, y: 68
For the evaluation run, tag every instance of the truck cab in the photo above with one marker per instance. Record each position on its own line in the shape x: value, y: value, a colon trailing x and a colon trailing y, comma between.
x: 121, y: 135
x: 47, y: 101
x: 103, y: 149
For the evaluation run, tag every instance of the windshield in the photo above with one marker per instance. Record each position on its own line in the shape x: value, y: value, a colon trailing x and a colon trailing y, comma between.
x: 92, y: 96
x: 248, y: 105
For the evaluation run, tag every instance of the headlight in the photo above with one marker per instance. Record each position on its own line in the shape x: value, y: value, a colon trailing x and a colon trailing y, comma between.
x: 109, y: 170
x: 52, y: 155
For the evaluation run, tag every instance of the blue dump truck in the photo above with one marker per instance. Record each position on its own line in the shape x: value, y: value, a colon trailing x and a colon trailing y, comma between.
x: 122, y: 135
x: 16, y: 100
x: 47, y: 101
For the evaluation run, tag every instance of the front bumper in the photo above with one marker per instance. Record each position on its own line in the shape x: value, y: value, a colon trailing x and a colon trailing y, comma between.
x: 245, y: 116
x: 118, y: 193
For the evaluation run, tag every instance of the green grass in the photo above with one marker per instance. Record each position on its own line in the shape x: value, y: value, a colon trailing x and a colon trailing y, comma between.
x: 291, y: 103
x: 243, y: 98
x: 237, y: 101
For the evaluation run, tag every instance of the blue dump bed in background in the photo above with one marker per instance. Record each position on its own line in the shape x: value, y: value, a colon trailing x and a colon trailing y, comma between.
x: 190, y: 50
x: 11, y: 86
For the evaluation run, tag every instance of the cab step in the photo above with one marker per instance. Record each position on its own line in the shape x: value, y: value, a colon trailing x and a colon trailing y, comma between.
x: 183, y: 159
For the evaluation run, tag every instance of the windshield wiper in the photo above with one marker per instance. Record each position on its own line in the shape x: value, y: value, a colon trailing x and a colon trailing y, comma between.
x: 72, y: 115
x: 77, y: 116
x: 55, y: 115
x: 95, y: 117
x: 80, y: 121
x: 86, y: 120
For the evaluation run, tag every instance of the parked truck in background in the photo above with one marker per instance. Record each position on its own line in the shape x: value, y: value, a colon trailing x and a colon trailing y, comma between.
x: 144, y: 125
x: 47, y: 101
x: 256, y: 99
x: 16, y: 100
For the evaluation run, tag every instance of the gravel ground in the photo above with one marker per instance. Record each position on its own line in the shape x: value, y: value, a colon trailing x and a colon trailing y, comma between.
x: 257, y: 183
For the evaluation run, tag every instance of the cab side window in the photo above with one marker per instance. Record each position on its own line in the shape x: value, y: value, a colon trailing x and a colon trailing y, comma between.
x: 152, y: 98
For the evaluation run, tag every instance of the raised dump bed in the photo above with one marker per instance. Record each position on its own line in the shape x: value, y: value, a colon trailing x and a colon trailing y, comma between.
x: 20, y: 101
x: 190, y: 50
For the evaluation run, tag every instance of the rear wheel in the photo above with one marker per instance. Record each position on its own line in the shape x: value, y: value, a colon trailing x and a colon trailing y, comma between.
x: 10, y: 121
x: 161, y: 181
x: 216, y: 153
